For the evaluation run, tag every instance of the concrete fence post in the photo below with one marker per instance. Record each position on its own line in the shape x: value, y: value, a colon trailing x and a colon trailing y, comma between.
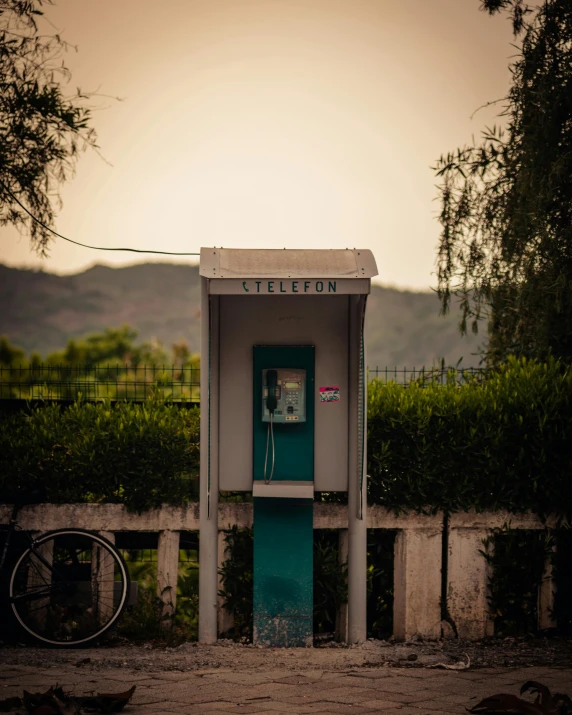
x: 167, y: 570
x: 102, y: 578
x: 417, y: 579
x: 468, y: 580
x: 39, y: 575
x: 109, y: 535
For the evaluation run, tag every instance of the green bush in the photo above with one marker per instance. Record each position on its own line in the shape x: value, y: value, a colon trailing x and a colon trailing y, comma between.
x: 330, y: 580
x: 517, y: 559
x: 504, y: 443
x: 380, y: 560
x: 237, y: 584
x: 140, y: 455
x: 501, y: 443
x: 145, y: 621
x: 562, y: 573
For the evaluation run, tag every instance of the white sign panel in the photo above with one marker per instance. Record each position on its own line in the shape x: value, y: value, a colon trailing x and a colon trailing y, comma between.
x: 289, y: 286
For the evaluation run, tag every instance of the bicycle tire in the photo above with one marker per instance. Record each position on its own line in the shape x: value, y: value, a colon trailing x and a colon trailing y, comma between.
x: 69, y: 588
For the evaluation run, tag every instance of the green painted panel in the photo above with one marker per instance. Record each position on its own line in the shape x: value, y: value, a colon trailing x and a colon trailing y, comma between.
x: 283, y: 528
x: 283, y: 572
x: 293, y: 443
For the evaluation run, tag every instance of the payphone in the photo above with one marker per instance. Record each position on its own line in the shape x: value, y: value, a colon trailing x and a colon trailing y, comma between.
x: 284, y: 402
x: 284, y: 391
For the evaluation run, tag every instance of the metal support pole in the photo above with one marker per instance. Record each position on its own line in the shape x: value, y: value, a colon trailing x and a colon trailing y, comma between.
x: 208, y: 542
x: 357, y: 490
x: 357, y: 571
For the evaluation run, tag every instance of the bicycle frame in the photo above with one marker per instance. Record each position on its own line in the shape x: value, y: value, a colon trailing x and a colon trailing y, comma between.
x: 41, y: 591
x: 13, y: 523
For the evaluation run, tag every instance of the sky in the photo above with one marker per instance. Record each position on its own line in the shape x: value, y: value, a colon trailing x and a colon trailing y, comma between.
x: 270, y: 124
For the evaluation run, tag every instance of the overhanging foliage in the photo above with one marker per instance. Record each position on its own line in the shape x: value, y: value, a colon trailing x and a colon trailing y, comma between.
x: 506, y: 202
x: 42, y: 130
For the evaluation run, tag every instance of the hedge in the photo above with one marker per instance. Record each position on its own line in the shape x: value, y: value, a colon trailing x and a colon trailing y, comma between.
x: 505, y: 443
x: 140, y: 455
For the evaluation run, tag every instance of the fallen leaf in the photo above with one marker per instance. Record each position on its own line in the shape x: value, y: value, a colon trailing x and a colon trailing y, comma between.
x: 545, y: 703
x: 461, y: 665
x: 45, y: 710
x: 106, y: 702
x: 10, y: 704
x: 505, y: 703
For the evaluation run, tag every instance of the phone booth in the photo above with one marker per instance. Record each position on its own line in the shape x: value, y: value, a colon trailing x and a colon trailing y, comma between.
x: 283, y: 415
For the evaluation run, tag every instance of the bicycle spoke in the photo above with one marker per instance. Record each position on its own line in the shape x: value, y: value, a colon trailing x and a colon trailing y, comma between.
x: 69, y: 587
x: 40, y: 575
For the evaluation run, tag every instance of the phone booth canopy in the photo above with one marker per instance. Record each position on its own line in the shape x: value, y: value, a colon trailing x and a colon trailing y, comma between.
x: 283, y: 415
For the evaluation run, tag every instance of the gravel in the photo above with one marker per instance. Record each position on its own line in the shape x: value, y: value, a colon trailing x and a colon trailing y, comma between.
x: 494, y: 652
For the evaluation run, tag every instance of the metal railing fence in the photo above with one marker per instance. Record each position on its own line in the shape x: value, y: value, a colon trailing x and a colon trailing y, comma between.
x: 98, y: 382
x: 174, y: 383
x: 441, y: 375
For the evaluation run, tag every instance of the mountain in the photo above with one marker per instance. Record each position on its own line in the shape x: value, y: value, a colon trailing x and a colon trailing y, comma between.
x: 42, y: 311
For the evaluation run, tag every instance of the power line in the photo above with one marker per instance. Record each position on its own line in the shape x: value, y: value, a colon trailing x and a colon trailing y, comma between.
x: 83, y: 245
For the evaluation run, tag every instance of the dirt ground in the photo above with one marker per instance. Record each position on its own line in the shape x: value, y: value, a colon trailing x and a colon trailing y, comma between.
x: 490, y: 653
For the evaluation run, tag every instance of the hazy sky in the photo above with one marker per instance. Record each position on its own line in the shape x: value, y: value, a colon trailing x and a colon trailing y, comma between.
x: 271, y: 123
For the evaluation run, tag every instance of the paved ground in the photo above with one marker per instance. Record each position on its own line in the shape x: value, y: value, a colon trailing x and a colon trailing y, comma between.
x: 273, y: 682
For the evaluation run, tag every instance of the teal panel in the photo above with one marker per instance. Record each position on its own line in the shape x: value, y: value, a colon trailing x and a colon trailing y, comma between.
x: 293, y: 443
x: 283, y: 572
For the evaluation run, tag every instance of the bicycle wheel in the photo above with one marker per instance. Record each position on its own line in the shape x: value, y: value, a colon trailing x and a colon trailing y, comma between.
x: 69, y: 587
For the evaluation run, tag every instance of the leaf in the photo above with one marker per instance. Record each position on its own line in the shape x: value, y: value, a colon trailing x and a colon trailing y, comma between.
x: 461, y: 665
x: 53, y: 702
x: 505, y: 703
x: 542, y: 690
x: 10, y: 704
x: 106, y: 702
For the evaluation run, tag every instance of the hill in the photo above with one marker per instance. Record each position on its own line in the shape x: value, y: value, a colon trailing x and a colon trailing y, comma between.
x: 41, y: 311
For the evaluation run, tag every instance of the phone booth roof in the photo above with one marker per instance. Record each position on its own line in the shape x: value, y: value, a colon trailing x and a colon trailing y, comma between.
x: 229, y: 263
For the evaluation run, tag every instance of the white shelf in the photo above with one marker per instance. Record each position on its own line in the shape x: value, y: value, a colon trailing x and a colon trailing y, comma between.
x: 287, y: 489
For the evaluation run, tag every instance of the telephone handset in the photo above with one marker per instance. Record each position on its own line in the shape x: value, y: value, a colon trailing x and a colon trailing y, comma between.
x: 271, y: 385
x: 283, y: 401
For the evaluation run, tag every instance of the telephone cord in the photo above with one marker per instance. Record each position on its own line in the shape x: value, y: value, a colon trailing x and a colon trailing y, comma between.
x: 269, y: 436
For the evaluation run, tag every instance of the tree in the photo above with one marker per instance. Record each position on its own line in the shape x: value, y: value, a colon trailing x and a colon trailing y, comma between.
x: 10, y: 354
x: 506, y: 203
x: 42, y: 129
x: 115, y: 345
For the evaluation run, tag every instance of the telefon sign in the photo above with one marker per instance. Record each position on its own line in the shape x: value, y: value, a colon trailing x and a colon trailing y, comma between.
x: 290, y: 286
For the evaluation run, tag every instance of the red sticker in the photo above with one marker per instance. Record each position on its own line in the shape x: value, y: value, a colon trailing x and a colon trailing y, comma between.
x: 330, y: 393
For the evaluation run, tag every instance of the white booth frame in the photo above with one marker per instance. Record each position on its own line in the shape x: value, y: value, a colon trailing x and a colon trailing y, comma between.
x: 346, y: 273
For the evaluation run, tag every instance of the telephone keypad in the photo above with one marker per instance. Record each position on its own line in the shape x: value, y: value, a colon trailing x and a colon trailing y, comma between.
x: 291, y: 400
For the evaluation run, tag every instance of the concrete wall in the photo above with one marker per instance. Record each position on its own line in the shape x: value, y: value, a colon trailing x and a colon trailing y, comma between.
x: 417, y: 567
